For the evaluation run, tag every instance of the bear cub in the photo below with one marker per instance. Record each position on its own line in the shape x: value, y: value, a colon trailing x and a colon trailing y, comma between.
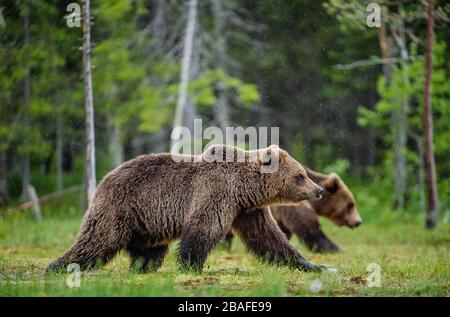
x: 337, y: 204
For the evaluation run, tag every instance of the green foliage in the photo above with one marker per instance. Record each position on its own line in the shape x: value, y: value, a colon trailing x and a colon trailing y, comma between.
x: 350, y: 14
x: 54, y: 88
x: 340, y: 166
x: 391, y: 97
x: 204, y: 94
x: 297, y: 150
x: 124, y: 91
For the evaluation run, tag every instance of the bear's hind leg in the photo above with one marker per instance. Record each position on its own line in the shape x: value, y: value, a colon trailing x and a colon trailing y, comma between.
x: 86, y: 254
x: 95, y: 246
x: 147, y: 259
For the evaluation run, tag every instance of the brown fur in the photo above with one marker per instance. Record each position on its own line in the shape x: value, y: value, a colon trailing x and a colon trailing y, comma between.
x: 337, y: 204
x: 147, y: 202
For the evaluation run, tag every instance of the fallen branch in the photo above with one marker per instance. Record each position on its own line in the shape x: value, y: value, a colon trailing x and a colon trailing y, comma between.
x: 46, y: 198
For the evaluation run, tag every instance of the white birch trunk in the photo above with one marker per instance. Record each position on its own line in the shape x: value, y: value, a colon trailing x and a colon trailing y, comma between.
x: 34, y: 202
x: 185, y: 67
x: 89, y: 105
x: 401, y: 120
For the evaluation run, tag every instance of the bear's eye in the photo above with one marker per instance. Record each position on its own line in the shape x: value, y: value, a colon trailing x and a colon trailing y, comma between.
x: 299, y: 178
x: 350, y: 205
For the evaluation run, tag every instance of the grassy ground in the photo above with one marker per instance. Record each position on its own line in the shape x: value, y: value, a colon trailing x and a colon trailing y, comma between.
x: 413, y: 261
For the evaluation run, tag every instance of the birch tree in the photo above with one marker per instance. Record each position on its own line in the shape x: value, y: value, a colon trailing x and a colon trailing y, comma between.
x: 89, y: 104
x: 400, y: 113
x: 185, y: 68
x: 430, y: 166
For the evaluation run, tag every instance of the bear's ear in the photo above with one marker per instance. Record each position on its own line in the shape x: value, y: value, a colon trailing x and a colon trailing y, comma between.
x: 332, y: 183
x: 316, y: 177
x: 270, y: 154
x: 270, y: 158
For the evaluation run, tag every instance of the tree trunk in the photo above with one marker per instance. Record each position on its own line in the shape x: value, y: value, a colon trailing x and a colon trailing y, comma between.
x: 400, y: 137
x: 157, y: 141
x: 159, y: 29
x: 137, y: 145
x: 189, y: 115
x: 430, y: 167
x: 221, y: 111
x: 35, y: 203
x: 399, y: 167
x: 385, y: 51
x: 25, y: 168
x: 185, y: 67
x: 59, y: 153
x: 89, y: 105
x: 421, y: 172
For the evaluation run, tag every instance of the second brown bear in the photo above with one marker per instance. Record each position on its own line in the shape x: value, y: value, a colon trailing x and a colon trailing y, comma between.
x: 337, y: 204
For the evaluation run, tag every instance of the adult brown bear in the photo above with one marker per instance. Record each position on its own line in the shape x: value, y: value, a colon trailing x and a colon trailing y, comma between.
x: 148, y: 202
x: 337, y: 204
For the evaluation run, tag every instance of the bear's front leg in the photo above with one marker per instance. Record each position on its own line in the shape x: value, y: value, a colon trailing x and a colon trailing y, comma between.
x: 304, y: 222
x: 260, y: 232
x: 323, y: 244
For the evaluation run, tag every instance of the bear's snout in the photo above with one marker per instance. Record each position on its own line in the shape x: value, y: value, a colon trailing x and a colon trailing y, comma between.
x: 318, y: 191
x: 355, y: 221
x: 315, y: 192
x: 359, y: 222
x: 310, y: 190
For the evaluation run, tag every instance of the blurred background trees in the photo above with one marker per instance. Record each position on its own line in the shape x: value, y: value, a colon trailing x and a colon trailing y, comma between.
x: 346, y: 97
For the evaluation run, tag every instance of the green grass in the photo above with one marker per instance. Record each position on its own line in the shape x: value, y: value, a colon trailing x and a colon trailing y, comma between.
x: 413, y: 261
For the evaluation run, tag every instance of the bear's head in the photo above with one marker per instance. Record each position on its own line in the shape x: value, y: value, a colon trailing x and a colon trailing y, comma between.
x: 277, y: 177
x: 338, y: 203
x: 288, y: 180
